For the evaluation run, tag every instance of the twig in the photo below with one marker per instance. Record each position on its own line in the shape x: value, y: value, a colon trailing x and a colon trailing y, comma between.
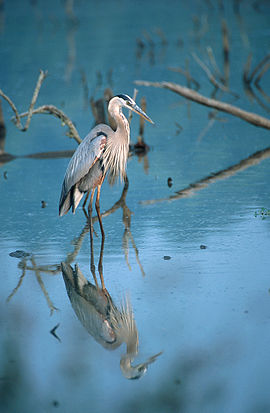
x: 13, y: 107
x: 53, y: 110
x: 258, y: 67
x: 40, y: 80
x: 260, y: 75
x: 187, y: 76
x: 134, y: 98
x: 46, y: 109
x: 247, y: 69
x: 250, y: 117
x: 214, y: 63
x: 141, y: 128
x: 19, y: 282
x: 266, y: 97
x: 226, y: 49
x: 42, y: 286
x: 210, y: 76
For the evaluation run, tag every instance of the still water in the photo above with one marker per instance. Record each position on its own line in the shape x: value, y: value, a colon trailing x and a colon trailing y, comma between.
x: 194, y: 266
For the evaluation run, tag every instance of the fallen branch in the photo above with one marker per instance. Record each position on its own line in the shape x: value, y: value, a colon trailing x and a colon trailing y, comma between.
x: 250, y: 117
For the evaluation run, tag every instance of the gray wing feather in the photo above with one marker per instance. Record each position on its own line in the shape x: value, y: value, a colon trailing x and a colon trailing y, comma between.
x: 84, y: 157
x: 89, y: 150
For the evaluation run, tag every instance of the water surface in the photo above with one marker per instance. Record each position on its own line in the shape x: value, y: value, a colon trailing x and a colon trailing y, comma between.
x: 207, y: 305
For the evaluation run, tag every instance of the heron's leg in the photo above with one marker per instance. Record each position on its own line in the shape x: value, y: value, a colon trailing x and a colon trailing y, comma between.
x: 100, y: 266
x: 90, y: 221
x: 84, y: 203
x: 98, y: 210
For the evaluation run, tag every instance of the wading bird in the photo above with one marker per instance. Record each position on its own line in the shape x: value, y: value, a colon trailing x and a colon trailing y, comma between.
x: 102, y: 151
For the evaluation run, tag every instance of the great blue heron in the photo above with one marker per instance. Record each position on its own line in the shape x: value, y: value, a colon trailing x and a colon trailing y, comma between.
x: 102, y: 151
x: 108, y: 325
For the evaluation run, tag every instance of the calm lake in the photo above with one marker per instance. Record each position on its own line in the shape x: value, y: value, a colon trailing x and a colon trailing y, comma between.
x: 187, y: 244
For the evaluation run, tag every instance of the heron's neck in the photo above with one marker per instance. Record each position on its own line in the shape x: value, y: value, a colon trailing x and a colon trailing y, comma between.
x: 122, y: 125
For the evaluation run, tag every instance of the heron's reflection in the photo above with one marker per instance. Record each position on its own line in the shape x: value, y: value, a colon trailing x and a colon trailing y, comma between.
x: 108, y: 324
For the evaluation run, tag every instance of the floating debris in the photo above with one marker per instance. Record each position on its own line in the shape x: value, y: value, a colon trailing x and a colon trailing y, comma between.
x: 53, y: 332
x: 19, y: 254
x: 179, y: 128
x: 170, y: 182
x: 263, y: 213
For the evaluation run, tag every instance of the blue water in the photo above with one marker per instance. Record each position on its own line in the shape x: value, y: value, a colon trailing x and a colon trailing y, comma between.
x: 206, y: 309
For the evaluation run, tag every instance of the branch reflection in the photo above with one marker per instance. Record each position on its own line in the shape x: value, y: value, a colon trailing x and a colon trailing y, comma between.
x: 28, y: 263
x: 252, y: 160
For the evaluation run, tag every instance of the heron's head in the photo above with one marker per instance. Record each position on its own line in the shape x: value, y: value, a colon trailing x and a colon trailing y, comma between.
x: 129, y: 103
x: 135, y: 372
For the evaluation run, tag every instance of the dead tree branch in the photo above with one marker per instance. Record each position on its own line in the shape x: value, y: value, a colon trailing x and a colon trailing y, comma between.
x: 250, y: 117
x: 53, y: 110
x: 46, y: 109
x: 211, y: 77
x: 187, y: 76
x: 260, y: 66
x: 13, y: 107
x: 41, y: 77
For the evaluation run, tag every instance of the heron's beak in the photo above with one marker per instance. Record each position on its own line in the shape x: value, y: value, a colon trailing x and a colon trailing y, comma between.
x: 140, y: 112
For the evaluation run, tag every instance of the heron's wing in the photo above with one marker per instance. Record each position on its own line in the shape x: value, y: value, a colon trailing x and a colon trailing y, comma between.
x: 89, y: 306
x: 87, y: 153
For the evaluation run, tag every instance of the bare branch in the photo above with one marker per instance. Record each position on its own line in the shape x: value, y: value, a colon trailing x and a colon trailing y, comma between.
x: 187, y: 76
x: 41, y: 77
x: 258, y: 67
x: 250, y: 117
x: 211, y: 77
x: 226, y: 50
x: 246, y: 70
x: 135, y: 92
x: 53, y: 110
x: 260, y: 75
x: 214, y: 63
x: 13, y: 107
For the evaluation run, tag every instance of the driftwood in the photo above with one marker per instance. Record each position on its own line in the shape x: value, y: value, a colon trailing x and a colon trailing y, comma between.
x: 188, y: 93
